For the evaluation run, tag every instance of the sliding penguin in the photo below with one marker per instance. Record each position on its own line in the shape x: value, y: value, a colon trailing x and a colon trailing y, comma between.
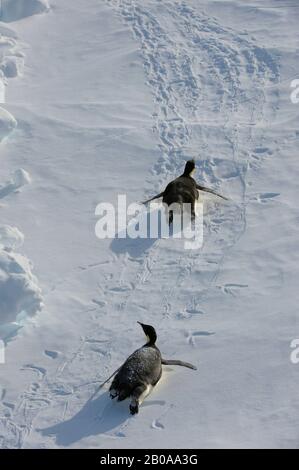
x: 141, y: 371
x: 183, y: 190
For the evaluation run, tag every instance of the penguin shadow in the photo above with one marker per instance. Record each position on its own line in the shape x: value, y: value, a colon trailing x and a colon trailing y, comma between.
x: 149, y: 224
x: 98, y: 416
x: 134, y: 247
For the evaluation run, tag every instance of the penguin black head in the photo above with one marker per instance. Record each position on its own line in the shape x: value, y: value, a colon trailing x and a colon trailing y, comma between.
x: 149, y: 332
x: 189, y: 168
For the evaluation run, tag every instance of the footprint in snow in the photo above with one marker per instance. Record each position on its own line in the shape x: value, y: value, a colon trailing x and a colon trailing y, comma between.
x: 51, y: 354
x: 194, y: 311
x: 120, y: 289
x: 156, y: 424
x: 264, y: 197
x: 261, y: 150
x: 39, y: 370
x: 191, y: 337
x: 35, y: 387
x: 100, y: 303
x: 232, y: 289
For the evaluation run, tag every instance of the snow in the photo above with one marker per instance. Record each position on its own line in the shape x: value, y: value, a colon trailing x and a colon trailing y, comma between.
x: 19, y: 291
x: 11, y: 66
x: 13, y: 10
x: 20, y: 294
x: 7, y: 123
x: 111, y: 98
x: 18, y: 179
x: 10, y: 237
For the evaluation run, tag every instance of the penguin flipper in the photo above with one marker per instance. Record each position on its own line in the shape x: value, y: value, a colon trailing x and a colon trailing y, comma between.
x: 109, y: 378
x: 152, y: 198
x: 175, y: 362
x: 207, y: 190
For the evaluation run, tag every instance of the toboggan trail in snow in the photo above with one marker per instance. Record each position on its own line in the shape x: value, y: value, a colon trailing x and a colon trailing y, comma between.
x: 186, y: 57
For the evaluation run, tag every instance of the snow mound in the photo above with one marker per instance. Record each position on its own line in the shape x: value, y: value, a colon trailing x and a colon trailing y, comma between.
x: 10, y: 237
x: 12, y: 66
x: 19, y: 178
x: 19, y: 290
x: 11, y: 57
x: 7, y: 123
x: 14, y: 10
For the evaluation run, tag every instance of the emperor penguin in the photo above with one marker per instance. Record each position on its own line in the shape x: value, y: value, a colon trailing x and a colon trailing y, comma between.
x: 183, y: 190
x: 142, y: 370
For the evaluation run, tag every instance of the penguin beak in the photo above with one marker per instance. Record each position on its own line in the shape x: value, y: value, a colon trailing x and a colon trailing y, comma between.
x: 142, y: 326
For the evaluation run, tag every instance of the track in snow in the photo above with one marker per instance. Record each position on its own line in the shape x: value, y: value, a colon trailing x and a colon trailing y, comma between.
x: 189, y: 59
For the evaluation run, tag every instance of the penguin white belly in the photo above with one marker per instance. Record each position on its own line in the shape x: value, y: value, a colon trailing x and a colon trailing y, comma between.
x: 146, y: 392
x: 200, y: 199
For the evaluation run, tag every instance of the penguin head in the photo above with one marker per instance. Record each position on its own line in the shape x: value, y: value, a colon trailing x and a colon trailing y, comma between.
x: 149, y: 332
x: 189, y: 168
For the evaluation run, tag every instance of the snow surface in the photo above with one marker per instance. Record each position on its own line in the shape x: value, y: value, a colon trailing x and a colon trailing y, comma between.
x: 19, y: 291
x: 111, y: 98
x: 13, y: 10
x: 7, y: 124
x: 10, y: 237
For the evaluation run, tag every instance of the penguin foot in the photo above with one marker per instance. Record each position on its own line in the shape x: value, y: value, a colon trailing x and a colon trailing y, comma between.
x: 113, y: 394
x: 134, y: 408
